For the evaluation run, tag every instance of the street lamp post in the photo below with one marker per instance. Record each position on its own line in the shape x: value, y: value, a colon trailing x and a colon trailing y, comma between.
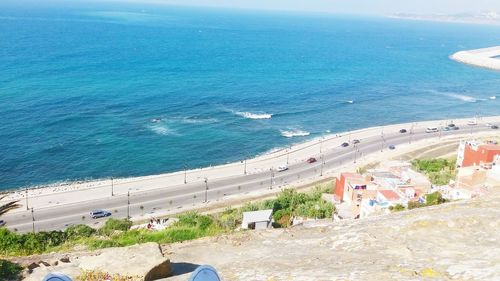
x: 128, y: 204
x: 112, y: 188
x: 185, y: 173
x: 245, y: 166
x: 27, y: 208
x: 272, y: 178
x: 206, y: 190
x: 33, y: 219
x: 322, y: 164
x: 355, y: 152
x: 288, y: 155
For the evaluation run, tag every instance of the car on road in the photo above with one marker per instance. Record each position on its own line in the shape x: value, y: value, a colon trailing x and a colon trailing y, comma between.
x: 471, y: 122
x: 355, y: 141
x: 455, y: 128
x: 311, y: 160
x: 446, y: 129
x: 95, y: 214
x: 432, y: 130
x: 392, y: 147
x: 494, y: 127
x: 488, y: 125
x: 451, y: 125
x: 2, y: 223
x: 345, y: 144
x: 402, y: 131
x: 282, y: 168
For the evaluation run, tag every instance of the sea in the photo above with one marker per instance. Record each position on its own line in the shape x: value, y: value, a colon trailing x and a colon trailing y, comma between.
x: 106, y: 90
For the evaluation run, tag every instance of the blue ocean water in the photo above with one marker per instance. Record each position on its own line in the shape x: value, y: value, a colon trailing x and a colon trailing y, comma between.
x: 102, y: 90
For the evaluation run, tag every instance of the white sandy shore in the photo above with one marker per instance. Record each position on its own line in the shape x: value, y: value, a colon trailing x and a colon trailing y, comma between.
x: 480, y: 57
x: 101, y: 189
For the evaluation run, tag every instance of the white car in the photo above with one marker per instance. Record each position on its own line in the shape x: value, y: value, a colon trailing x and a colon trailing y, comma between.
x: 489, y: 125
x: 432, y: 130
x: 472, y: 123
x: 282, y: 168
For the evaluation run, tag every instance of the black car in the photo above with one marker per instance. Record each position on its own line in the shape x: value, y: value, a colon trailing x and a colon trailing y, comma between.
x: 451, y: 125
x: 494, y: 127
x: 392, y: 147
x: 355, y: 141
x: 402, y: 131
x: 454, y: 128
x: 345, y: 144
x: 2, y: 223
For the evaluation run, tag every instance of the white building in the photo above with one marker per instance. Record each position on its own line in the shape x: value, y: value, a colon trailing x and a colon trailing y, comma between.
x: 257, y: 219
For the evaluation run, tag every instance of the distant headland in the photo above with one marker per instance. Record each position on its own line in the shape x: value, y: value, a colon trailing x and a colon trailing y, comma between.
x: 486, y: 57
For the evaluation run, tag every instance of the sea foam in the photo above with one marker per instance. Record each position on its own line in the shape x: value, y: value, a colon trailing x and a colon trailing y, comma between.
x: 250, y: 115
x: 294, y: 133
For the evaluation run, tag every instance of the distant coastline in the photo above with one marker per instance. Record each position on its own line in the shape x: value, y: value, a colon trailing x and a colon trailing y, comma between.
x: 486, y: 19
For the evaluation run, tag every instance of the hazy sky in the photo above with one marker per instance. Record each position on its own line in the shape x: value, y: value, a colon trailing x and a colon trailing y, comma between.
x: 349, y: 6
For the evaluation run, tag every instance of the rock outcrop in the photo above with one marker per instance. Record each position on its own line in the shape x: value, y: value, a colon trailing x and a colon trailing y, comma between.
x: 453, y: 241
x: 142, y: 262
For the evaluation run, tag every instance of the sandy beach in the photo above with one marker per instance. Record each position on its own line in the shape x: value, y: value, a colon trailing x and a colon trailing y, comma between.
x: 69, y: 193
x: 486, y: 57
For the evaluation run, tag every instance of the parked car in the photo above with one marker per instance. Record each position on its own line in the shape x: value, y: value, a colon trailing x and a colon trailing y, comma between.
x: 446, y: 129
x: 402, y: 131
x: 345, y: 144
x: 451, y: 125
x: 392, y: 147
x: 282, y: 168
x: 494, y: 127
x: 2, y: 223
x: 488, y: 125
x: 355, y: 141
x: 432, y: 130
x: 455, y: 128
x: 471, y: 122
x: 95, y: 214
x: 311, y: 160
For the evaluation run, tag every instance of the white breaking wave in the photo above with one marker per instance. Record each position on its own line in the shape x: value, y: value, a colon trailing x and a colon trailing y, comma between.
x: 294, y: 133
x: 161, y: 129
x: 250, y: 115
x: 194, y: 120
x: 493, y: 97
x: 461, y: 97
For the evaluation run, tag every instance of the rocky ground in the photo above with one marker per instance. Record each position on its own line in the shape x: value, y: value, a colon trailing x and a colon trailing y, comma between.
x: 454, y: 241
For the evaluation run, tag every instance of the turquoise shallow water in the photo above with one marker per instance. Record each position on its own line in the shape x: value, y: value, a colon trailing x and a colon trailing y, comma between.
x: 80, y: 87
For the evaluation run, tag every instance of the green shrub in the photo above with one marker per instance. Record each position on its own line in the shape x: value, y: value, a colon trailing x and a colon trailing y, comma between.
x: 9, y: 270
x: 434, y: 198
x: 113, y: 225
x: 79, y: 231
x: 397, y: 208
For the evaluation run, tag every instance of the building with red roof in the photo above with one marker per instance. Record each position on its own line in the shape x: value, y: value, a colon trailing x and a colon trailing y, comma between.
x: 472, y: 153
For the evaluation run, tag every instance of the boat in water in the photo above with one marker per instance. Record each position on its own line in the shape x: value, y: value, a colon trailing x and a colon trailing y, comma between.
x: 493, y: 97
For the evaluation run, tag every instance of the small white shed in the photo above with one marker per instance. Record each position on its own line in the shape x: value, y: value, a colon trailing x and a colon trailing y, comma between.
x: 257, y: 219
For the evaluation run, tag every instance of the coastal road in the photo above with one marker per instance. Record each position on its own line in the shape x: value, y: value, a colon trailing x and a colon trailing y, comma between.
x: 198, y: 193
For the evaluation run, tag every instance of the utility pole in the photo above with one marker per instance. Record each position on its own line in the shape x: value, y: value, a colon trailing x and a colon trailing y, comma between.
x: 322, y: 164
x: 288, y: 155
x: 245, y: 166
x: 112, y: 187
x: 355, y: 152
x: 206, y: 190
x: 185, y: 173
x: 272, y: 178
x: 27, y: 208
x: 128, y: 204
x: 33, y: 219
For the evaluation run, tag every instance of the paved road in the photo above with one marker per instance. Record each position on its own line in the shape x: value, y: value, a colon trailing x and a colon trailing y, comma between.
x: 175, y: 197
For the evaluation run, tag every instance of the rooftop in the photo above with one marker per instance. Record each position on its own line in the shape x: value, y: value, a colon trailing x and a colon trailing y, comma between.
x: 390, y: 195
x: 257, y: 216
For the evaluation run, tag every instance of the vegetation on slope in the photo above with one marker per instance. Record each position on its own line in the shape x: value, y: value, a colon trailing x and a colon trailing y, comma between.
x: 439, y: 171
x: 190, y: 226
